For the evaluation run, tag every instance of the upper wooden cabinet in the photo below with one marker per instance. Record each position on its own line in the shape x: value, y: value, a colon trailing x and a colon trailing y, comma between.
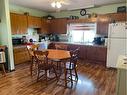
x: 18, y: 23
x: 44, y: 26
x: 58, y: 26
x: 104, y: 20
x: 102, y: 24
x: 34, y: 22
x: 118, y: 16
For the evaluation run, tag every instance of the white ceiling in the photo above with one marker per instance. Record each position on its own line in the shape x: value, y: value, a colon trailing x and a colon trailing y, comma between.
x: 73, y: 4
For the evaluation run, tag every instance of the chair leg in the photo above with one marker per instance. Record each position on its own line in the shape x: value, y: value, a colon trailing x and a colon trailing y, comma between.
x: 38, y: 73
x: 55, y: 74
x: 71, y: 78
x: 31, y: 67
x: 57, y: 65
x: 60, y: 68
x: 76, y: 74
x: 4, y: 72
x: 46, y: 77
x: 65, y: 75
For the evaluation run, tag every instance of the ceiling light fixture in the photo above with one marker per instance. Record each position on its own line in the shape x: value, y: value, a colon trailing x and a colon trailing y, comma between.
x: 56, y: 4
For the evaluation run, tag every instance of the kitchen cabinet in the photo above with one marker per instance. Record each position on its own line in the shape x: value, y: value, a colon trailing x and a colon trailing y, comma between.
x: 102, y: 24
x: 82, y: 48
x: 58, y: 26
x: 51, y: 46
x: 18, y: 23
x: 91, y: 54
x: 104, y: 20
x: 21, y: 55
x: 45, y: 25
x: 96, y: 54
x: 118, y: 16
x: 34, y: 22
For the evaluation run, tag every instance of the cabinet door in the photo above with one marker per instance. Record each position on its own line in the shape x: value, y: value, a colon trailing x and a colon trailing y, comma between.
x: 53, y: 26
x: 14, y: 23
x: 34, y: 22
x: 58, y: 26
x: 83, y: 52
x: 37, y: 22
x: 102, y: 24
x: 62, y: 26
x: 91, y: 53
x: 22, y: 24
x: 21, y: 55
x: 101, y: 53
x: 118, y: 16
x: 18, y: 23
x: 45, y: 26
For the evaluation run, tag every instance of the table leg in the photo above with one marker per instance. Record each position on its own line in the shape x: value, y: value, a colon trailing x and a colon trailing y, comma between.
x: 65, y: 74
x: 31, y: 66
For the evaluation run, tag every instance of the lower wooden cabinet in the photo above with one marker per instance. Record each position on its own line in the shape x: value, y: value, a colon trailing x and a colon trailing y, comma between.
x: 96, y: 54
x: 21, y: 55
x: 91, y: 54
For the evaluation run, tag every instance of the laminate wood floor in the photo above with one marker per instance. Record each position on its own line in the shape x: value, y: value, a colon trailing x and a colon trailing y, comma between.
x: 93, y: 80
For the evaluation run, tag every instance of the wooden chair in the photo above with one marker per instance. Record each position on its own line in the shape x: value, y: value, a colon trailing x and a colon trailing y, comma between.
x: 2, y: 48
x: 3, y: 69
x: 43, y: 64
x: 31, y: 49
x: 60, y: 47
x: 72, y: 65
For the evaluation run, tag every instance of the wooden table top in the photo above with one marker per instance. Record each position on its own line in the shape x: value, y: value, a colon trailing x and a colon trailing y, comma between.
x: 58, y: 54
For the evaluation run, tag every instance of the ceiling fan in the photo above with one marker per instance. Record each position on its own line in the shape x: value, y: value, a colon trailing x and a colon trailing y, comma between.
x: 59, y: 3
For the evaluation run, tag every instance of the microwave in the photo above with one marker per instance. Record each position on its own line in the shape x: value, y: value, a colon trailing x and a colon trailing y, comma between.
x: 16, y: 41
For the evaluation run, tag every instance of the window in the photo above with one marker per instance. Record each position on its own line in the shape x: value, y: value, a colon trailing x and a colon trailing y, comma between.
x: 82, y: 32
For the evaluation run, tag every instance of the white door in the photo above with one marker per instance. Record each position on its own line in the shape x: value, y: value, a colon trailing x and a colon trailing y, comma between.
x: 116, y: 47
x: 117, y: 30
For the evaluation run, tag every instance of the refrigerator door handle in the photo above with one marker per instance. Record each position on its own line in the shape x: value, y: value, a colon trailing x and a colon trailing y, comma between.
x: 109, y: 43
x: 109, y: 30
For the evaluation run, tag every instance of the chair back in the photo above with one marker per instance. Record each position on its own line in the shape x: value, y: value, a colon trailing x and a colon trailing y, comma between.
x: 61, y: 47
x: 31, y: 49
x: 41, y: 57
x: 74, y: 56
x: 75, y: 53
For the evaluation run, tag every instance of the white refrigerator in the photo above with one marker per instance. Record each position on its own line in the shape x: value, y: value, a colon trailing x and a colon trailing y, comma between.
x: 117, y: 42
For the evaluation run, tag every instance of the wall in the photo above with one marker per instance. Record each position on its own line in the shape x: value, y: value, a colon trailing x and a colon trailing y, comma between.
x: 99, y: 10
x: 5, y: 30
x: 20, y: 9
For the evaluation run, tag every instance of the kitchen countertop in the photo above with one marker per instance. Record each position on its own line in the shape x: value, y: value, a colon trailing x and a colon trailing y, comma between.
x: 64, y: 42
x: 18, y: 46
x: 80, y: 43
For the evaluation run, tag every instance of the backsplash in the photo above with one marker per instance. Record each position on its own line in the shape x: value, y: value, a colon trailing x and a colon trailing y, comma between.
x: 63, y: 37
x: 31, y: 34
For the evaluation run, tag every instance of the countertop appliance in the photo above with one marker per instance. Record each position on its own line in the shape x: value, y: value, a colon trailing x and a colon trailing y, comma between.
x: 117, y: 42
x: 17, y: 41
x: 99, y: 40
x: 121, y: 87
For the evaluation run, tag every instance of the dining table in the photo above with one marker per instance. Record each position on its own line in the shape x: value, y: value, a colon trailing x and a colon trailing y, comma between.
x: 60, y: 55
